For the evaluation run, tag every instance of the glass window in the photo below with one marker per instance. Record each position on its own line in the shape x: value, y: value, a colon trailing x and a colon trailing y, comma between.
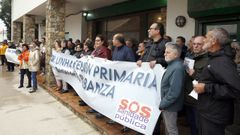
x: 129, y: 26
x: 157, y: 16
x: 134, y: 26
x: 231, y: 28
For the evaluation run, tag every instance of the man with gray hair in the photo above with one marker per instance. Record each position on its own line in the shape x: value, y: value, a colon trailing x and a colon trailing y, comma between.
x: 200, y: 57
x: 218, y: 86
x: 172, y: 88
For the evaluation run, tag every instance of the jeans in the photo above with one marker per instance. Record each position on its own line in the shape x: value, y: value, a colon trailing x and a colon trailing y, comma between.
x: 34, y: 80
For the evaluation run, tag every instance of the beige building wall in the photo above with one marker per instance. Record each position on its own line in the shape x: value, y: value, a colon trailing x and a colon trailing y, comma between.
x: 73, y: 26
x: 176, y: 8
x: 22, y: 7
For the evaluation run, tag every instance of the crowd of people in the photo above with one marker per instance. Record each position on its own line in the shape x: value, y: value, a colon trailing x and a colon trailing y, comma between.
x: 216, y: 69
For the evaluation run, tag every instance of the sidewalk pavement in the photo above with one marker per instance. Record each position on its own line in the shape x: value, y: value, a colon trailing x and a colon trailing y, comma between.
x: 72, y: 102
x: 22, y: 113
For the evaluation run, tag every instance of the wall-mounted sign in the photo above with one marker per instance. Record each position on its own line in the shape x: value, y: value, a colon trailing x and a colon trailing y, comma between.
x: 180, y: 21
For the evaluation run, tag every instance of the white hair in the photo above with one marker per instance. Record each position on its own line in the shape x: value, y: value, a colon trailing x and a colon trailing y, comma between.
x: 221, y: 35
x: 176, y: 48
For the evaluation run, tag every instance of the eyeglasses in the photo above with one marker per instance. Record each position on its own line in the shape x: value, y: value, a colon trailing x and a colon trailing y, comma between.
x: 197, y: 44
x: 151, y: 28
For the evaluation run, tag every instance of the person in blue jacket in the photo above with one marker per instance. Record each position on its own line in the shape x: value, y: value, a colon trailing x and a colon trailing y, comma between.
x: 121, y: 52
x: 172, y: 88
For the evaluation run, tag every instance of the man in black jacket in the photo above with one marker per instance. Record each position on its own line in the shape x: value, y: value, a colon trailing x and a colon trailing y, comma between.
x: 154, y: 54
x: 181, y: 42
x: 218, y: 86
x: 201, y: 57
x: 154, y: 50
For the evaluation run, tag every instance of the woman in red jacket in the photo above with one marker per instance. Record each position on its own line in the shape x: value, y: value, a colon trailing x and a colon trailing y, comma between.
x: 101, y: 49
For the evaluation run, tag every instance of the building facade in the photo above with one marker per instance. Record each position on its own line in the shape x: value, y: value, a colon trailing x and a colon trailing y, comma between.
x: 59, y: 19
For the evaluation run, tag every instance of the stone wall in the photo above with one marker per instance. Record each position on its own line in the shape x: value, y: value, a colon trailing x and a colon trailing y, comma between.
x: 55, y: 29
x: 17, y: 26
x: 28, y: 28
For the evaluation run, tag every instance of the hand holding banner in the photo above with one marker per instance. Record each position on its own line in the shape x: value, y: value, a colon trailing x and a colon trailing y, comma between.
x: 11, y: 55
x: 121, y: 91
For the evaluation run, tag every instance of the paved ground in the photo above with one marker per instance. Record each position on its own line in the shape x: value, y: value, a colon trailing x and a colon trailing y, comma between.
x: 22, y: 113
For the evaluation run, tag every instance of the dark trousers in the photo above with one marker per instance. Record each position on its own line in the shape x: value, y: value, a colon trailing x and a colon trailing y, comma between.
x: 10, y: 66
x: 3, y: 59
x: 191, y: 118
x: 157, y: 129
x: 207, y: 127
x: 22, y: 73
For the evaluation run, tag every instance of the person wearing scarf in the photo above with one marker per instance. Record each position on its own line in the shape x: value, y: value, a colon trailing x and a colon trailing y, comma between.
x: 23, y: 58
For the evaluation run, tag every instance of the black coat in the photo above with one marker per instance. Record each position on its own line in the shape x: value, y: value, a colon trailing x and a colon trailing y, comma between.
x: 155, y: 51
x: 222, y: 87
x: 12, y: 46
x: 184, y: 52
x: 200, y: 62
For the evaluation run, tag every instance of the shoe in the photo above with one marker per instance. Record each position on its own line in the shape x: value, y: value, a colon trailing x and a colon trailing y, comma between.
x: 99, y: 116
x: 91, y: 111
x: 32, y: 91
x: 75, y: 94
x: 29, y: 86
x: 63, y: 91
x: 20, y: 86
x: 124, y: 129
x: 82, y: 103
x: 110, y: 122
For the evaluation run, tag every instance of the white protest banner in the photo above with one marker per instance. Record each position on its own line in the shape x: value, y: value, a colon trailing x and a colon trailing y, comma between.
x: 11, y: 55
x: 122, y: 91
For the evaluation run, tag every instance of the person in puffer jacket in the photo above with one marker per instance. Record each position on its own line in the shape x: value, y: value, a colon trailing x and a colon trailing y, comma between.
x: 3, y: 49
x: 34, y: 64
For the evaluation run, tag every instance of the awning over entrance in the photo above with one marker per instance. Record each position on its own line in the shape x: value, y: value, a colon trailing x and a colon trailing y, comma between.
x: 129, y: 6
x: 72, y: 7
x: 205, y: 8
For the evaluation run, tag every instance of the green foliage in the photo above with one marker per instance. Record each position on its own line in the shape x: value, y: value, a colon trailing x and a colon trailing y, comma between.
x: 5, y: 15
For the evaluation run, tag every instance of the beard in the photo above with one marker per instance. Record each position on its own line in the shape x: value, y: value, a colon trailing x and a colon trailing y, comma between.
x: 206, y: 46
x: 168, y: 59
